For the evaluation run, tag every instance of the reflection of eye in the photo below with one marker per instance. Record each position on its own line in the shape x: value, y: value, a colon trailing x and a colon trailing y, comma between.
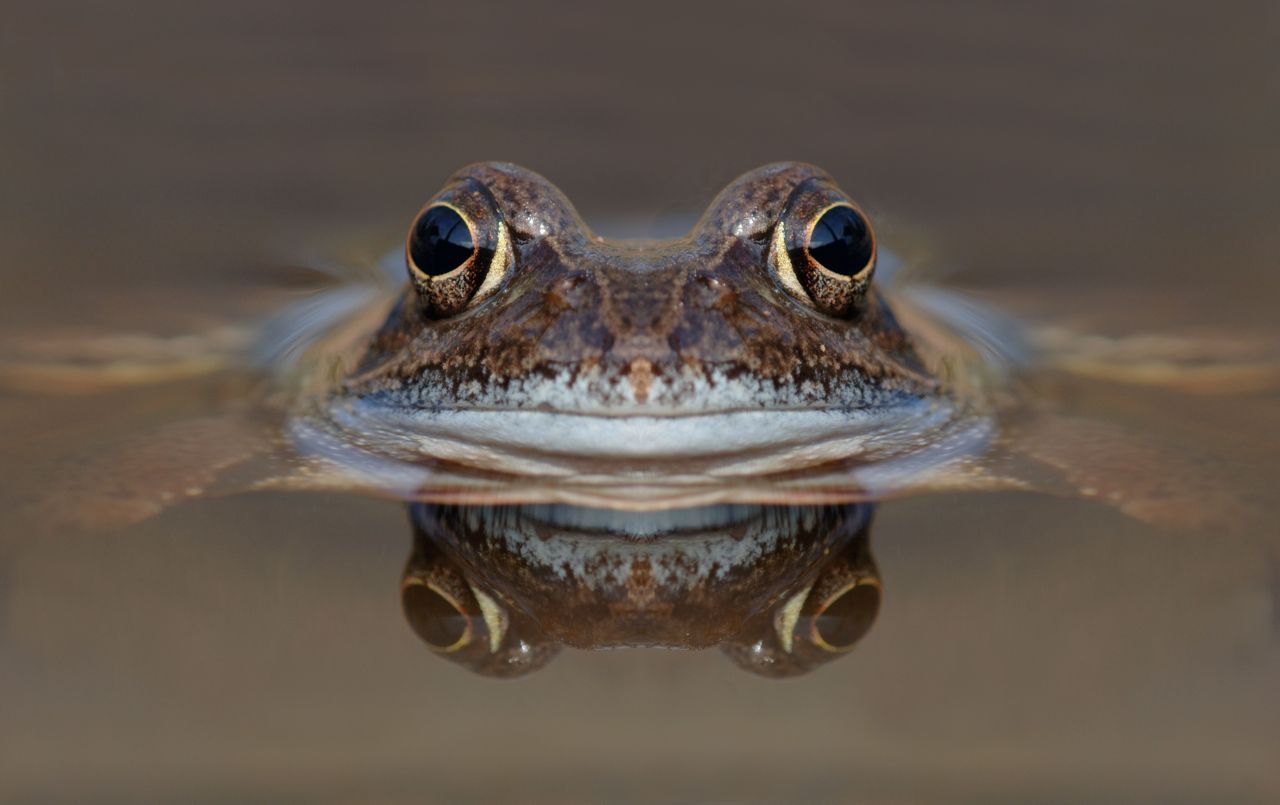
x: 435, y: 616
x: 440, y: 242
x: 841, y: 241
x: 846, y: 616
x: 457, y: 253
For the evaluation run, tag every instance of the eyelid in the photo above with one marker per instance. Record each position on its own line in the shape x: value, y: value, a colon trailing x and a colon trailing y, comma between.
x: 785, y: 268
x: 498, y: 266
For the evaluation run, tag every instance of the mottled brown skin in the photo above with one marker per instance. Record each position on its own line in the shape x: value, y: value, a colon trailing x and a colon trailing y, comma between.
x: 647, y: 311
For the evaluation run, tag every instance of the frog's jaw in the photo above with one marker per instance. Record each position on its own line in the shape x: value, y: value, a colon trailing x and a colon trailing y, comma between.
x: 636, y: 462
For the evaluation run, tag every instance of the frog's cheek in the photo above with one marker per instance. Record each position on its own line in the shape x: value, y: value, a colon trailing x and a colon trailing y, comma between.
x: 464, y: 624
x: 815, y: 624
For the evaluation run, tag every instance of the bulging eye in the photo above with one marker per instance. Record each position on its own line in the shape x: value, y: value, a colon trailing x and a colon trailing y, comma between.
x: 439, y: 618
x: 460, y: 621
x: 821, y: 621
x: 457, y: 252
x: 841, y: 241
x: 824, y: 251
x: 441, y: 241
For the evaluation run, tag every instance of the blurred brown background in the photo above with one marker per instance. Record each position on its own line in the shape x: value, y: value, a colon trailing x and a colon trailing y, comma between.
x: 252, y: 648
x: 1084, y: 140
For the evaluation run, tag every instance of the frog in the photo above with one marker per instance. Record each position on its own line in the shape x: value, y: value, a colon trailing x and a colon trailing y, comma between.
x: 510, y: 355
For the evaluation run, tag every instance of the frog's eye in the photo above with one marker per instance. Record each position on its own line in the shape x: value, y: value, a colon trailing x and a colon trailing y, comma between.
x: 441, y: 241
x: 845, y: 615
x: 825, y: 254
x: 840, y: 242
x: 811, y: 628
x: 817, y: 623
x: 462, y: 623
x: 436, y: 615
x: 456, y: 256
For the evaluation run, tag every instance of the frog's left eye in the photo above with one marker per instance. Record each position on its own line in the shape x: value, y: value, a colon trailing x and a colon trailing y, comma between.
x: 457, y: 253
x: 819, y: 622
x: 825, y: 253
x: 843, y: 616
x: 840, y: 242
x: 459, y: 621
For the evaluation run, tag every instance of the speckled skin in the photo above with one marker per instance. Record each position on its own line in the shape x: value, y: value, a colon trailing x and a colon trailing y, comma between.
x: 591, y: 325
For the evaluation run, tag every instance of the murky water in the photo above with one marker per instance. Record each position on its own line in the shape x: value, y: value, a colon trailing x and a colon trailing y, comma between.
x: 1114, y: 169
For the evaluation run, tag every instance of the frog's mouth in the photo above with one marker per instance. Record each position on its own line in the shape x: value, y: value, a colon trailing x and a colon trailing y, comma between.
x: 638, y: 462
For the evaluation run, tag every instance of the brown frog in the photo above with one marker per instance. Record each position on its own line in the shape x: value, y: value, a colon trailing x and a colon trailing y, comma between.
x: 525, y: 359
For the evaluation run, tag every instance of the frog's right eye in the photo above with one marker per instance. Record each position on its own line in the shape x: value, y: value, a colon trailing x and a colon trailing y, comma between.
x: 436, y: 615
x: 457, y: 252
x: 824, y: 250
x: 441, y: 242
x: 843, y: 616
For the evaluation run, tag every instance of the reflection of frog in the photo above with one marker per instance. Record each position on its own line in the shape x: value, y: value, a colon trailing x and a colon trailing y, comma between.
x: 781, y: 589
x: 527, y: 360
x: 627, y: 442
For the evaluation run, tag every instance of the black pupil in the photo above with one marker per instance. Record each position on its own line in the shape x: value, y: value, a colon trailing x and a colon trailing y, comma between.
x: 441, y: 242
x: 841, y: 241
